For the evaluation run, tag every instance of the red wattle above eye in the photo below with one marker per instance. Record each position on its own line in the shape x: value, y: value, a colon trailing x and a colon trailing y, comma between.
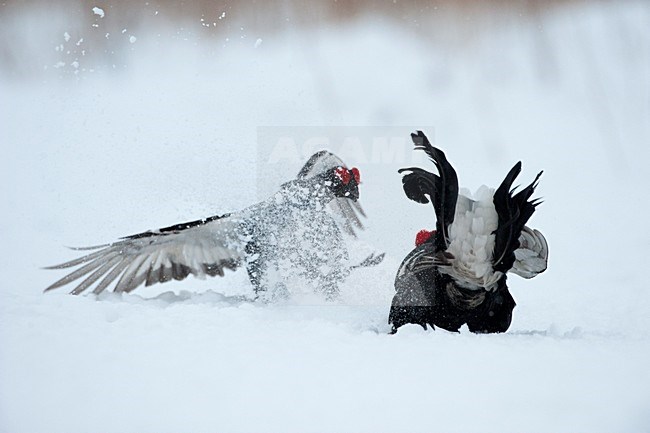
x: 423, y: 236
x: 344, y: 175
x: 356, y: 174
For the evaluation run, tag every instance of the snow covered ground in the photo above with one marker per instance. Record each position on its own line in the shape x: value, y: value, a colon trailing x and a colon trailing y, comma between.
x: 177, y: 132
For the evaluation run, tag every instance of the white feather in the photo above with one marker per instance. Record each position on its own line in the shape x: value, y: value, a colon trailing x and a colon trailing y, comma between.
x: 472, y: 240
x: 532, y: 256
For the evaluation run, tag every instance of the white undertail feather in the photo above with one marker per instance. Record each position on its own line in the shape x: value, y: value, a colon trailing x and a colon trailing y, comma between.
x: 471, y: 240
x: 532, y: 255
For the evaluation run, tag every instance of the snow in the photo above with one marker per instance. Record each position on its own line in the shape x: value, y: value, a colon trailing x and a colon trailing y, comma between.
x: 170, y: 136
x: 98, y: 11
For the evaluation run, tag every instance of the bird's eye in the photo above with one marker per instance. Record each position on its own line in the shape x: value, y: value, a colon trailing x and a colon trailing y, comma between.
x: 356, y: 174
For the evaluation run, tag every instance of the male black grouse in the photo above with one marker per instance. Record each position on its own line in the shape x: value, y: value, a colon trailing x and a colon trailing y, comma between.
x: 457, y: 274
x: 296, y: 233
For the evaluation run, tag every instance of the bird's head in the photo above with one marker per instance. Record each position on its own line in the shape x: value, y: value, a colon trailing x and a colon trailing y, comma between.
x: 345, y: 182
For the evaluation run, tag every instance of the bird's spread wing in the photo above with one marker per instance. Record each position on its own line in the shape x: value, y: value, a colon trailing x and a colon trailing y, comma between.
x: 531, y: 257
x: 347, y: 213
x: 203, y: 247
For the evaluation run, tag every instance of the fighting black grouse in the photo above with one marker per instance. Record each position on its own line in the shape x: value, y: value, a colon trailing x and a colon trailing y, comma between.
x: 457, y: 273
x: 296, y: 233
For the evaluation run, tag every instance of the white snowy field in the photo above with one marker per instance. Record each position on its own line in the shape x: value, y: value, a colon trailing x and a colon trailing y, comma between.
x: 171, y: 135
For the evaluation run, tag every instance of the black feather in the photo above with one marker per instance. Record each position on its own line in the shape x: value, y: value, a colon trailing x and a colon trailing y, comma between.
x: 442, y: 189
x: 418, y: 183
x: 176, y: 228
x: 513, y: 212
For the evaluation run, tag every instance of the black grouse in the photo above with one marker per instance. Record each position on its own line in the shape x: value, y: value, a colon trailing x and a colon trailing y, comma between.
x: 296, y: 233
x: 457, y: 273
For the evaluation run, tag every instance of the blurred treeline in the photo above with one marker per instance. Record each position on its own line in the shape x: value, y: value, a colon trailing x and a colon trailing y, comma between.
x: 35, y: 35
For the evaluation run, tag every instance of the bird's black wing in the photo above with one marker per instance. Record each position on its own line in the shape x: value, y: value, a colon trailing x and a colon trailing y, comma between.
x: 203, y: 247
x: 513, y: 211
x: 442, y: 188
